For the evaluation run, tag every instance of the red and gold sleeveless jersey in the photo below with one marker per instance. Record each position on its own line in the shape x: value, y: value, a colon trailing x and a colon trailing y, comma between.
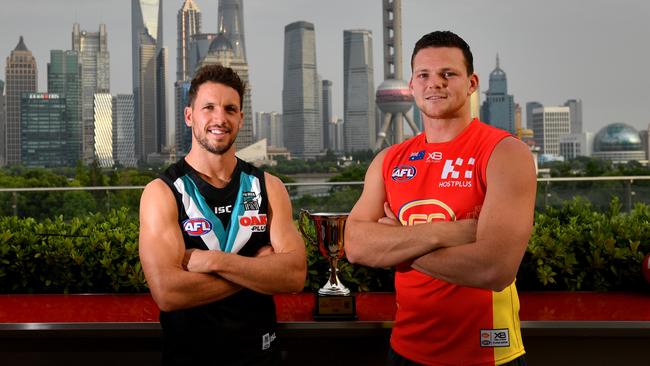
x: 440, y: 323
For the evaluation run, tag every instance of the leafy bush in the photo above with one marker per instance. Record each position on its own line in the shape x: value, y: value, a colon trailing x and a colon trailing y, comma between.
x: 573, y: 247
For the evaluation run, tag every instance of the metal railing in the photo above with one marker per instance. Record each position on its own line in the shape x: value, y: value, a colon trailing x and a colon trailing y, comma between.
x: 338, y: 196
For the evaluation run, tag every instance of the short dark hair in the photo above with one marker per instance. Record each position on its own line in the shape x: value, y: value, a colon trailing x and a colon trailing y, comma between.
x: 445, y: 39
x: 217, y: 74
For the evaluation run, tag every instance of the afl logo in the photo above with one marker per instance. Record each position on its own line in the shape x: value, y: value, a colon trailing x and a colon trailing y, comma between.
x: 424, y: 211
x: 402, y: 173
x: 197, y: 227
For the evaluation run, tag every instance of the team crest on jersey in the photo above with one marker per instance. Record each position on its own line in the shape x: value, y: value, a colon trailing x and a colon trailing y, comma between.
x: 257, y: 223
x: 424, y: 211
x: 457, y: 173
x: 418, y: 155
x: 250, y: 201
x: 403, y: 173
x: 197, y: 226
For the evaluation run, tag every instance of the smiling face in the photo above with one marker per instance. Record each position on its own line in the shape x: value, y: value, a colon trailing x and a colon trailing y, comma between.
x: 215, y: 117
x: 440, y: 83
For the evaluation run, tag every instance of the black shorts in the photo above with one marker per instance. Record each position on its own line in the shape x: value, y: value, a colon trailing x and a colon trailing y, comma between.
x: 395, y: 359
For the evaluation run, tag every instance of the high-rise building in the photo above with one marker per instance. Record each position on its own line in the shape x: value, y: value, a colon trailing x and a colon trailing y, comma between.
x: 104, y: 130
x: 199, y: 47
x: 221, y: 52
x: 95, y: 78
x: 269, y: 127
x: 530, y: 106
x: 518, y: 125
x: 575, y: 106
x: 231, y: 23
x: 188, y: 24
x: 498, y: 109
x: 301, y: 99
x: 183, y: 133
x: 124, y: 130
x: 2, y: 124
x: 43, y: 130
x: 21, y: 75
x: 64, y: 78
x: 549, y: 124
x: 326, y: 111
x: 358, y: 91
x: 149, y: 60
x: 645, y: 141
x: 576, y: 144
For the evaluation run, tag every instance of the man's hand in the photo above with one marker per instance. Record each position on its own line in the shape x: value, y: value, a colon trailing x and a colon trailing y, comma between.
x: 390, y: 218
x: 199, y: 261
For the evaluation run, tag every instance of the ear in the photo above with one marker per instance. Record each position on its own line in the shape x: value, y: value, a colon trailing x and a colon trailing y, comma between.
x: 473, y: 83
x: 188, y: 116
x: 241, y: 120
x: 411, y: 85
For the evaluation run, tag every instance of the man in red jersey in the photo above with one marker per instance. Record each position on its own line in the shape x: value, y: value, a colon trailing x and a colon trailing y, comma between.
x: 452, y: 209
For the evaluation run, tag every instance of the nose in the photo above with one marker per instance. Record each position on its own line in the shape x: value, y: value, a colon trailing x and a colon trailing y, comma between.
x: 437, y: 81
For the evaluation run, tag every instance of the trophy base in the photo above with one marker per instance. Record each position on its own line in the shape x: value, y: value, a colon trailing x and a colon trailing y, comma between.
x: 335, y: 307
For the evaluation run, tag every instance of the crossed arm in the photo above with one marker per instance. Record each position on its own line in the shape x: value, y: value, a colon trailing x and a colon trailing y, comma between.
x: 181, y: 279
x: 489, y: 260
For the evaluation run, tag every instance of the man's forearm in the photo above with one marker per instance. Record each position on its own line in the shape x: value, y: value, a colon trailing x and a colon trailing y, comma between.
x: 184, y: 289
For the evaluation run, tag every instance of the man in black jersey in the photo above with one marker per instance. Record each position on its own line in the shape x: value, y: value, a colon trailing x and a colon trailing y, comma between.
x: 217, y: 239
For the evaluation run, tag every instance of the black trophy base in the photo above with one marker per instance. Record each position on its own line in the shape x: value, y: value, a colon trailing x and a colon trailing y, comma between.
x: 333, y: 307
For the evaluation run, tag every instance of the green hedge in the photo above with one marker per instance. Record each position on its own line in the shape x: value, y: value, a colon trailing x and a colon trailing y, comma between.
x: 573, y: 247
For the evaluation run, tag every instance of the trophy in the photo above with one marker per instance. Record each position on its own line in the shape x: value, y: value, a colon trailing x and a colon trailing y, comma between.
x: 334, y: 301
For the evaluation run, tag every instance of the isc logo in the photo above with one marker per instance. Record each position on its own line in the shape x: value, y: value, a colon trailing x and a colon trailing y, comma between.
x: 197, y: 227
x: 257, y: 223
x: 402, y: 173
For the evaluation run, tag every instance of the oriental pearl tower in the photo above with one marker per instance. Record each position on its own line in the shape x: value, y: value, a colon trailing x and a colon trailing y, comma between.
x: 393, y: 95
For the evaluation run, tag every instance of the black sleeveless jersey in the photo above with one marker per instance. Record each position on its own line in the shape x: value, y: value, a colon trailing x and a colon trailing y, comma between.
x: 240, y: 329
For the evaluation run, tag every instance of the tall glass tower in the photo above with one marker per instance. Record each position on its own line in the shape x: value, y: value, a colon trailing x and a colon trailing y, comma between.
x: 231, y: 23
x: 64, y: 78
x: 358, y: 91
x: 301, y: 93
x: 326, y: 112
x: 104, y: 130
x: 123, y: 130
x: 43, y: 130
x: 499, y: 106
x: 2, y: 124
x: 95, y: 78
x: 188, y: 23
x: 149, y: 60
x: 21, y: 76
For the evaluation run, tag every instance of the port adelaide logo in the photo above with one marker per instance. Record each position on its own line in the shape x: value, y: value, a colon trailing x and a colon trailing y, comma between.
x: 197, y: 227
x: 403, y: 173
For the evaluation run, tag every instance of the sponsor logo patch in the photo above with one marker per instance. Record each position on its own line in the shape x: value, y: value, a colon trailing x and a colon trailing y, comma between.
x: 257, y: 223
x: 223, y: 209
x: 451, y: 173
x: 418, y: 155
x: 267, y: 339
x: 434, y: 157
x: 403, y: 173
x: 197, y: 227
x: 495, y: 338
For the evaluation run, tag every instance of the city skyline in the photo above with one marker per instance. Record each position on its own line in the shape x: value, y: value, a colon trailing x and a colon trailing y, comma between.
x: 561, y: 51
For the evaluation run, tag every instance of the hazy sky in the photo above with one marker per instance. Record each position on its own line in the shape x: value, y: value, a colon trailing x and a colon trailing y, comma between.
x: 551, y: 50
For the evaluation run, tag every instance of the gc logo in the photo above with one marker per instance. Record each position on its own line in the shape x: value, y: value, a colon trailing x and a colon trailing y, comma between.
x: 424, y: 211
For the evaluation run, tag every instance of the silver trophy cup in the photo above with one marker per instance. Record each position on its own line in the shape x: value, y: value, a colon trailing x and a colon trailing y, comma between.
x: 329, y: 228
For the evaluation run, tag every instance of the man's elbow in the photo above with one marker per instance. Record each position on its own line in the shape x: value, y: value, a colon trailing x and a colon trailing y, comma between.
x: 500, y: 280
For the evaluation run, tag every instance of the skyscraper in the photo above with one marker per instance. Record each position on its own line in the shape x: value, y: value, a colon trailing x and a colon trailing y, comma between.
x: 326, y: 110
x: 301, y: 99
x: 221, y: 52
x: 549, y: 123
x: 575, y: 106
x: 64, y: 78
x: 231, y: 23
x: 149, y: 60
x: 358, y: 91
x: 269, y: 127
x: 182, y: 133
x: 95, y: 78
x: 199, y: 47
x: 499, y: 107
x: 21, y: 76
x: 530, y: 106
x: 2, y: 124
x: 43, y: 130
x: 123, y: 130
x: 104, y: 130
x: 188, y: 24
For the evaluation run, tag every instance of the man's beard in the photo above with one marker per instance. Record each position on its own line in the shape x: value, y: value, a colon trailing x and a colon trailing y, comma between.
x: 218, y: 150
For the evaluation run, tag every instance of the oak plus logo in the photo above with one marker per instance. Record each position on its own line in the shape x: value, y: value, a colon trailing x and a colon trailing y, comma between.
x: 457, y: 173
